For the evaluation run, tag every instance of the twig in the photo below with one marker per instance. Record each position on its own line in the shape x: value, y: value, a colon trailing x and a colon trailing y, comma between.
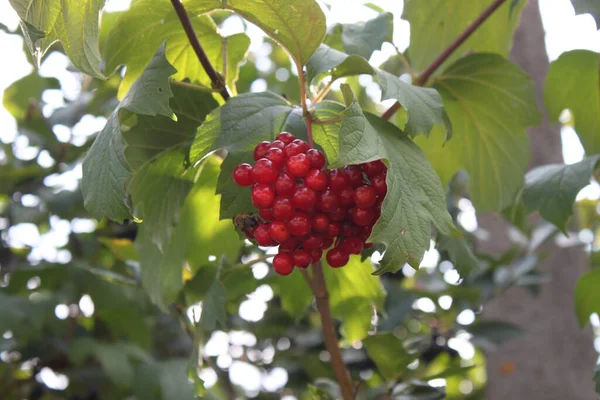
x: 421, y: 80
x: 302, y: 84
x: 323, y: 92
x: 319, y: 289
x: 214, y: 76
x: 193, y: 86
x: 327, y: 121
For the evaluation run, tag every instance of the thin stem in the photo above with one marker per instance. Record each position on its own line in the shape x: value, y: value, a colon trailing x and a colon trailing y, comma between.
x: 327, y: 121
x: 193, y: 86
x: 405, y: 62
x: 302, y: 84
x: 323, y: 92
x: 214, y: 76
x: 421, y: 80
x: 319, y: 289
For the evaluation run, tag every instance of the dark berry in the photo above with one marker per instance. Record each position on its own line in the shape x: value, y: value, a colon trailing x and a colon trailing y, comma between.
x: 283, y: 263
x: 320, y: 222
x: 261, y: 150
x: 350, y: 229
x: 312, y: 242
x: 298, y: 165
x: 338, y: 215
x: 242, y: 175
x: 365, y: 196
x: 279, y: 231
x: 329, y: 201
x: 352, y: 245
x: 283, y: 208
x: 304, y: 147
x: 316, y: 158
x: 338, y: 179
x: 316, y: 255
x: 262, y: 237
x: 302, y: 258
x: 378, y: 183
x: 266, y: 213
x: 373, y: 168
x: 277, y: 144
x: 316, y: 180
x: 333, y: 230
x: 285, y: 185
x: 304, y: 198
x: 362, y: 216
x: 264, y: 171
x: 337, y: 257
x: 327, y: 242
x: 290, y: 245
x: 299, y: 224
x: 262, y: 195
x: 355, y: 175
x: 286, y: 137
x: 276, y: 156
x: 346, y: 196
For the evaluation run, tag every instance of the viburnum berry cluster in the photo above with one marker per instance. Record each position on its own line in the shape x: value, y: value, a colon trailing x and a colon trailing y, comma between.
x: 306, y: 208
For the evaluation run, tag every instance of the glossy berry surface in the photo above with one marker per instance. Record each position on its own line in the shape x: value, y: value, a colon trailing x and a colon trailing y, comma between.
x: 305, y: 208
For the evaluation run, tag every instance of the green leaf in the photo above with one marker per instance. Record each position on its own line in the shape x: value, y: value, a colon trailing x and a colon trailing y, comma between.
x: 26, y: 91
x: 573, y: 82
x: 418, y: 390
x: 552, y: 189
x: 300, y: 27
x: 435, y: 24
x: 493, y: 333
x: 588, y: 6
x: 354, y: 294
x: 490, y: 102
x: 388, y: 353
x: 72, y: 22
x: 460, y: 253
x: 587, y: 296
x: 148, y: 23
x: 296, y: 297
x: 363, y: 38
x: 423, y: 105
x: 327, y: 135
x: 415, y: 198
x: 173, y: 379
x: 213, y: 306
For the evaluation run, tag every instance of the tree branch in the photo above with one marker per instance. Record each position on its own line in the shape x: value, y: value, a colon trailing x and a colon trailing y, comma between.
x: 215, y: 77
x: 319, y: 289
x: 421, y: 80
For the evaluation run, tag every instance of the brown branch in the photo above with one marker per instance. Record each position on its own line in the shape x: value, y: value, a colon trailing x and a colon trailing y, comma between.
x: 215, y: 77
x: 319, y: 289
x: 421, y: 80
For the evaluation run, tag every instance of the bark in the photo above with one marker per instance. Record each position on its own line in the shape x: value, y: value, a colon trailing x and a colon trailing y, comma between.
x: 554, y: 359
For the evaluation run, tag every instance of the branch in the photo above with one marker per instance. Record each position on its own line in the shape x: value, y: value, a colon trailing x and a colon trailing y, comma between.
x: 216, y: 79
x: 319, y: 289
x: 421, y: 80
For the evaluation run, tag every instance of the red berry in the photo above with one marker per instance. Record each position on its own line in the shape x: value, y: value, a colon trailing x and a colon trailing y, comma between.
x: 277, y: 144
x: 299, y: 224
x: 242, y: 175
x: 290, y: 245
x: 285, y: 185
x: 327, y: 242
x: 298, y: 165
x: 283, y: 263
x: 316, y: 158
x: 264, y: 171
x: 365, y: 232
x: 365, y: 196
x: 312, y: 242
x: 320, y: 222
x: 276, y: 156
x: 304, y: 198
x: 337, y: 258
x: 355, y: 175
x: 316, y: 255
x: 338, y: 179
x: 302, y: 258
x: 261, y: 150
x: 316, y: 180
x: 283, y: 208
x: 262, y: 195
x: 362, y: 216
x: 352, y: 245
x: 369, y: 245
x: 266, y: 214
x: 262, y: 237
x: 304, y: 147
x: 378, y: 183
x: 333, y: 230
x: 373, y: 167
x: 292, y: 149
x: 279, y: 231
x: 346, y: 196
x: 339, y: 214
x: 286, y: 137
x: 350, y: 229
x: 329, y: 201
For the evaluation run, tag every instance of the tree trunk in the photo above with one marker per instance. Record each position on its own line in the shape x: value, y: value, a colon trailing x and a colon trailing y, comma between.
x: 554, y: 359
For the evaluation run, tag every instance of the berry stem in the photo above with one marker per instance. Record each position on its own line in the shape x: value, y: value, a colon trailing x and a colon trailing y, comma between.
x: 215, y: 77
x: 302, y: 84
x: 421, y: 80
x: 319, y: 289
x: 309, y: 122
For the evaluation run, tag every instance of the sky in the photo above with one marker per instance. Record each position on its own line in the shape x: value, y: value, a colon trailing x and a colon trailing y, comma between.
x: 564, y: 31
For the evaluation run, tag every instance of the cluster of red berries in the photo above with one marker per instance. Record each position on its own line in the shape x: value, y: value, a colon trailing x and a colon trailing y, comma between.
x: 306, y: 208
